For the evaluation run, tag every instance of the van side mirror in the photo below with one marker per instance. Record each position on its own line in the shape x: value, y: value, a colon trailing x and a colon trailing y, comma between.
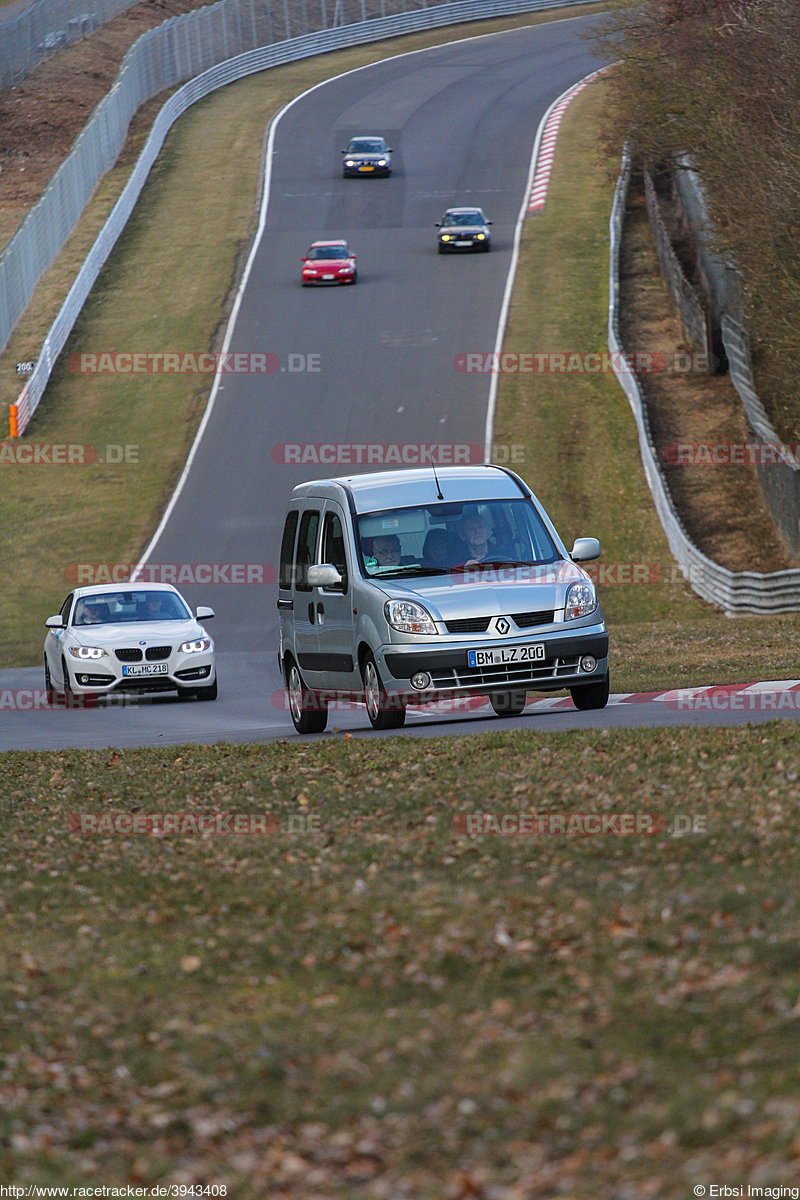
x: 585, y: 549
x: 323, y: 575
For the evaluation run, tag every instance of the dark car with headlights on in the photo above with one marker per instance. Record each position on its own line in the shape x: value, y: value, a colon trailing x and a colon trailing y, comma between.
x: 367, y: 156
x: 463, y: 229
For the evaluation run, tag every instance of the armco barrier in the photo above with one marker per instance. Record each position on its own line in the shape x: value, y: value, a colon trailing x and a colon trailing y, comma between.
x: 780, y: 481
x: 733, y: 591
x: 197, y: 46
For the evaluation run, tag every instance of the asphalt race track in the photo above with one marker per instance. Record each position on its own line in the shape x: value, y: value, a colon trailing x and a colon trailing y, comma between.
x: 461, y: 119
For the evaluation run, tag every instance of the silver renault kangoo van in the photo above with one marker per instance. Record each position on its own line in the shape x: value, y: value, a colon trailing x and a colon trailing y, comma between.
x: 404, y: 587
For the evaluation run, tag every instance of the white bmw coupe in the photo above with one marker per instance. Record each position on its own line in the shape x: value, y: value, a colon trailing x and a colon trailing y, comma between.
x: 128, y: 638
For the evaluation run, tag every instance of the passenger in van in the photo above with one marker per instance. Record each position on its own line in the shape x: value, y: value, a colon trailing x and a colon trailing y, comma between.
x: 481, y: 546
x: 386, y: 550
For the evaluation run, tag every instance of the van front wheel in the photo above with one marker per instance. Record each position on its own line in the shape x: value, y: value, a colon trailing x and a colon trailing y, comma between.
x: 383, y: 712
x: 309, y: 713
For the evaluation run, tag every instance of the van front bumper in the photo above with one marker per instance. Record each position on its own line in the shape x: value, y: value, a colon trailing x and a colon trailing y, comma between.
x: 450, y: 673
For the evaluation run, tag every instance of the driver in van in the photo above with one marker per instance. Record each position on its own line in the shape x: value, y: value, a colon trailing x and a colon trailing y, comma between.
x: 386, y: 549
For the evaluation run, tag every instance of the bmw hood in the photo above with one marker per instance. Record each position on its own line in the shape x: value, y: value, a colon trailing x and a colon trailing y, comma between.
x: 153, y: 633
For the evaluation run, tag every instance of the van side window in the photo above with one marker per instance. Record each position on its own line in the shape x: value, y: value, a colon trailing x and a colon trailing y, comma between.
x: 287, y: 549
x: 306, y: 545
x: 333, y: 548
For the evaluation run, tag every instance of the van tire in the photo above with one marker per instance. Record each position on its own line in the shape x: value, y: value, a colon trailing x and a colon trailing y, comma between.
x: 309, y: 714
x: 376, y: 700
x: 508, y: 704
x: 591, y: 695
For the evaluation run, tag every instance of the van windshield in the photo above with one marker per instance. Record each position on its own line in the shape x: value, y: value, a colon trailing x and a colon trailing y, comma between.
x: 436, y: 539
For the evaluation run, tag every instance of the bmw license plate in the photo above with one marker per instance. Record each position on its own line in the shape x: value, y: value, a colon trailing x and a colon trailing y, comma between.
x: 505, y: 655
x: 366, y: 168
x: 464, y: 243
x: 145, y: 669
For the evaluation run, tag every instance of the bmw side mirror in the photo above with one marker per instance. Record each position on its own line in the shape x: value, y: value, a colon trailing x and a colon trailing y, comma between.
x: 585, y: 549
x: 204, y: 613
x: 56, y: 622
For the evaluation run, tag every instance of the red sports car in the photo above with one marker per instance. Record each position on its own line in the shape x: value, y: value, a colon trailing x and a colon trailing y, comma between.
x: 329, y: 262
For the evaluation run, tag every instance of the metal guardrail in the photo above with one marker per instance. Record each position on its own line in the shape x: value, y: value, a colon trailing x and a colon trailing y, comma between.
x: 683, y: 294
x: 198, y: 46
x: 776, y: 465
x: 733, y: 591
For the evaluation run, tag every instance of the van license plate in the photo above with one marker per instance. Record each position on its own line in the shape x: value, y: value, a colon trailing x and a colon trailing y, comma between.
x: 505, y: 655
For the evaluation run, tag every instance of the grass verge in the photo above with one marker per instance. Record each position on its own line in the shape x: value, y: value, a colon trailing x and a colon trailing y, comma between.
x: 581, y: 452
x: 381, y: 1007
x: 190, y: 228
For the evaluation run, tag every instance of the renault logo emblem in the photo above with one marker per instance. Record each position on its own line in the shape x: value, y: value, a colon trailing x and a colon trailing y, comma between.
x: 502, y: 625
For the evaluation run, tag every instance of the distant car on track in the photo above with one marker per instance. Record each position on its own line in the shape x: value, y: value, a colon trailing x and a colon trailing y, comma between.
x: 329, y: 261
x: 128, y: 637
x: 463, y: 229
x: 367, y: 156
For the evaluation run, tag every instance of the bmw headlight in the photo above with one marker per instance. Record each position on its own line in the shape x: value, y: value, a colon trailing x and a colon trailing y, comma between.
x: 87, y: 652
x: 445, y: 237
x: 581, y: 600
x: 381, y: 162
x: 350, y: 162
x: 196, y: 646
x: 481, y: 237
x: 406, y: 616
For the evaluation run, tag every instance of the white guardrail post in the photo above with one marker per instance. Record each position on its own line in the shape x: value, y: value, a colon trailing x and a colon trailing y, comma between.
x: 733, y: 591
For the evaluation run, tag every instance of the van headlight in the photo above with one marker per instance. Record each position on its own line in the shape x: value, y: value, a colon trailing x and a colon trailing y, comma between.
x: 406, y: 616
x: 581, y: 600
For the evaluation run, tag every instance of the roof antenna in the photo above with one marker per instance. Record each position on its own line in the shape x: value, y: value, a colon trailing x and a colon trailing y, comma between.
x: 439, y: 495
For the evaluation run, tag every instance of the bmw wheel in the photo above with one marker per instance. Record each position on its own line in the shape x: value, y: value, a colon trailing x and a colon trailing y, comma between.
x: 207, y: 693
x: 49, y: 690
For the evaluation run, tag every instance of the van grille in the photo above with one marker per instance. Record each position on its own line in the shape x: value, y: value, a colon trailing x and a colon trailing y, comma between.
x: 520, y: 673
x: 528, y: 619
x: 468, y: 625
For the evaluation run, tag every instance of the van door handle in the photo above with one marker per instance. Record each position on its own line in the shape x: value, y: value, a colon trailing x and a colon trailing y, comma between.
x: 311, y: 613
x: 320, y: 614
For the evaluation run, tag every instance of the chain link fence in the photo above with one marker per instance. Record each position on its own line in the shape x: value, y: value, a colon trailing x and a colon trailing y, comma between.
x: 47, y: 26
x: 212, y: 47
